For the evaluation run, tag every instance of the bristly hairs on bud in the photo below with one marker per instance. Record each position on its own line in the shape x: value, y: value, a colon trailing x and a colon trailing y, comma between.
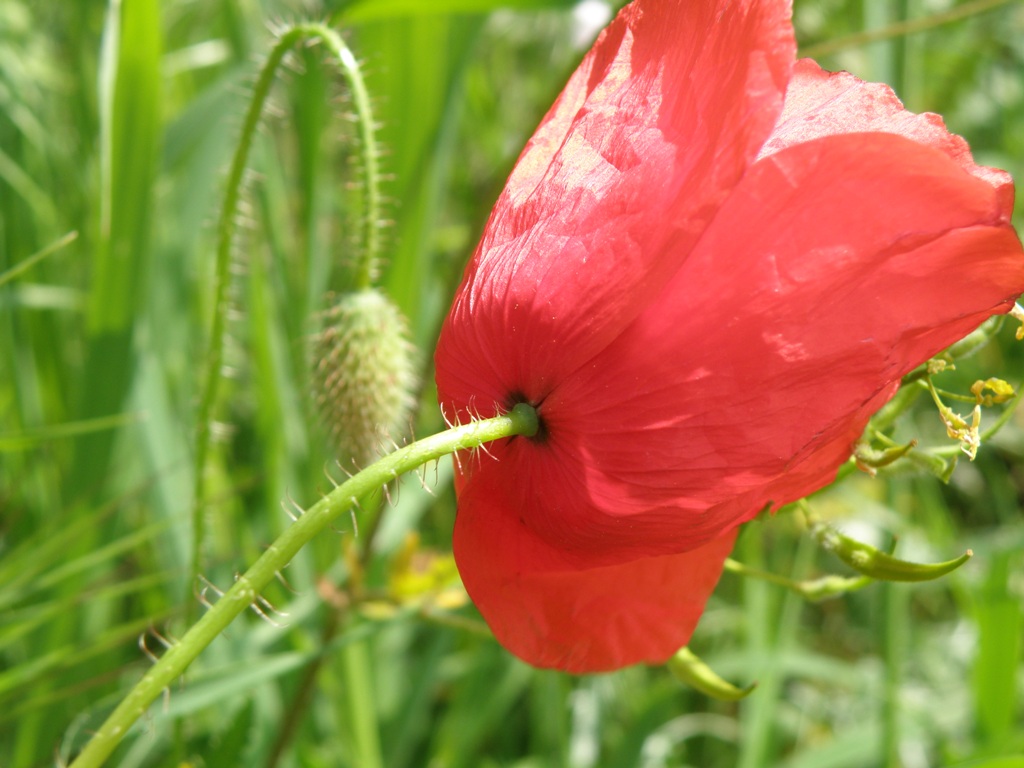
x: 365, y: 373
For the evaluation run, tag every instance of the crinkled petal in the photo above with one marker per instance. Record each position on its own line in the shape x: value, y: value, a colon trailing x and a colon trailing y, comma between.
x: 553, y: 613
x: 836, y: 267
x: 662, y: 118
x: 820, y: 103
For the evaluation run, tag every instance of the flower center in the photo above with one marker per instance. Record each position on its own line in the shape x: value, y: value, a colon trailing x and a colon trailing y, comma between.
x: 517, y: 397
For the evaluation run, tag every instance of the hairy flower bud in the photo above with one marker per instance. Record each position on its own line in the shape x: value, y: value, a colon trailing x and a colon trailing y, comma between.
x: 365, y: 373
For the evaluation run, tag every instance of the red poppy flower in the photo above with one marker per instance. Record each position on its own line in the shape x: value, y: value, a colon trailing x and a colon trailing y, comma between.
x: 706, y: 290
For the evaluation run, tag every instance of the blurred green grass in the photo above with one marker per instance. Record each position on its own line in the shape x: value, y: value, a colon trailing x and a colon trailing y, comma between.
x: 117, y: 122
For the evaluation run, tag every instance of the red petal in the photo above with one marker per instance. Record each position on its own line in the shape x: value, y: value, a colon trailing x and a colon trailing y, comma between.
x: 835, y: 268
x: 659, y: 122
x: 553, y: 613
x: 820, y: 103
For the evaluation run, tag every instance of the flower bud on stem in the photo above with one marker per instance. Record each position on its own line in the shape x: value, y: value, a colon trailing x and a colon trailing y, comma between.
x: 521, y: 420
x: 365, y: 373
x: 286, y: 40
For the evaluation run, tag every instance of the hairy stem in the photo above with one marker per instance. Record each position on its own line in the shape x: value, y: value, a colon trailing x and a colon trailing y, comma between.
x: 226, y: 229
x: 522, y: 420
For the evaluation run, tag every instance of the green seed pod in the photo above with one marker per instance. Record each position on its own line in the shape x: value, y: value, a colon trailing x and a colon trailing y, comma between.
x: 872, y: 562
x: 689, y: 669
x: 365, y: 374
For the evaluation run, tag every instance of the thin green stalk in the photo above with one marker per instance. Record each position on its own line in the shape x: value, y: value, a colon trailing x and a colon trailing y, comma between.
x: 901, y: 28
x: 29, y: 438
x: 894, y: 639
x: 522, y: 420
x: 226, y: 229
x: 296, y: 709
x: 370, y: 251
x: 760, y: 611
x: 361, y: 711
x: 814, y: 590
x: 905, y: 397
x: 771, y: 635
x: 26, y: 264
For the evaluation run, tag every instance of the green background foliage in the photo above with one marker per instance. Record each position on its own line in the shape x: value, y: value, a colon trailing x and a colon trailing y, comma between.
x: 117, y: 121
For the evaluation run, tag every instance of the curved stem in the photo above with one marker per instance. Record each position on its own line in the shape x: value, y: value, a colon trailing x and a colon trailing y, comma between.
x: 814, y: 590
x: 370, y: 252
x: 522, y: 420
x: 901, y: 28
x: 226, y: 229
